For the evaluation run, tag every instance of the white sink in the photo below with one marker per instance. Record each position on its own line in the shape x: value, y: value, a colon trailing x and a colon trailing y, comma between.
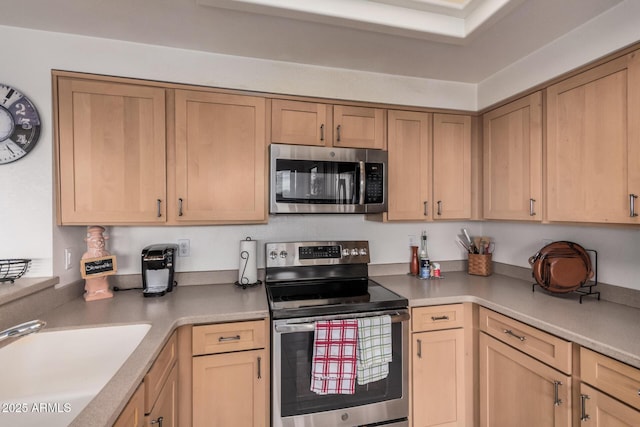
x: 47, y: 378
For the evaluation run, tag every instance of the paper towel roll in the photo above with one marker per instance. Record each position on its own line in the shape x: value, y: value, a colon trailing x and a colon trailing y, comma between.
x: 248, y: 272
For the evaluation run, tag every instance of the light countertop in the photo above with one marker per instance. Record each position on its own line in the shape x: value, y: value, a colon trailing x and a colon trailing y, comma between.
x: 602, y: 326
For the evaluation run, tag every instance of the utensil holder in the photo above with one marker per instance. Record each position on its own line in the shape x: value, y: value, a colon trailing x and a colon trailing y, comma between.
x: 480, y: 265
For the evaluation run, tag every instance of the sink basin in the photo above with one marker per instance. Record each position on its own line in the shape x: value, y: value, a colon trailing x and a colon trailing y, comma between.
x: 47, y: 378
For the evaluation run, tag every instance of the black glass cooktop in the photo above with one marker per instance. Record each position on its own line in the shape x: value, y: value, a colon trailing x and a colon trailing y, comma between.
x: 321, y: 297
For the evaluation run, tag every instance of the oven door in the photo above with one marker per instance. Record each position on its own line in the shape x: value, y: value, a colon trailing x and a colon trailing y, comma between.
x: 293, y: 404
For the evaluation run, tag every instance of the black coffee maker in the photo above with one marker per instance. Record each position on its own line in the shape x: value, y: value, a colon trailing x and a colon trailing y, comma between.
x: 158, y: 269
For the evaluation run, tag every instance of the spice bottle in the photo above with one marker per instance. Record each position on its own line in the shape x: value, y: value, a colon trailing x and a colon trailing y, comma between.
x: 425, y: 272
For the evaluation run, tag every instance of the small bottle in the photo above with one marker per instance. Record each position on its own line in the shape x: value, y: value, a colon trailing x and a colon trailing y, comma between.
x: 425, y: 268
x: 414, y: 266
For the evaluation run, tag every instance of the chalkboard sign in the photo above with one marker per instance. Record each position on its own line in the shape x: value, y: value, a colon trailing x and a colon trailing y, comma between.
x: 97, y: 267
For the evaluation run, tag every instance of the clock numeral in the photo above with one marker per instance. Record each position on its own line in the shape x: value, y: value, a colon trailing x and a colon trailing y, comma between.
x: 21, y: 109
x: 26, y: 123
x: 21, y: 138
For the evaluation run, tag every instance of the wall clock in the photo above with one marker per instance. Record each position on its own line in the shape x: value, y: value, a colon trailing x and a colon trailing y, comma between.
x: 19, y: 125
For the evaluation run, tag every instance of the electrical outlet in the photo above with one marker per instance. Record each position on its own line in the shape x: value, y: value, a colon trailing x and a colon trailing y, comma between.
x: 67, y: 258
x: 184, y: 247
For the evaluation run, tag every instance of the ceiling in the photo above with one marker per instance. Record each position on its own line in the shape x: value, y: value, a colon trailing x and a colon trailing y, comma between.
x: 455, y: 40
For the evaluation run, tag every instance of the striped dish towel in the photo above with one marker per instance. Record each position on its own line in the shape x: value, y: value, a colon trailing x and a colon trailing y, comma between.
x: 333, y: 368
x: 374, y: 348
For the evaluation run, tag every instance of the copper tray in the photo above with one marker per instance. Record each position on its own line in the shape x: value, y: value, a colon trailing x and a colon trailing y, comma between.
x: 561, y: 267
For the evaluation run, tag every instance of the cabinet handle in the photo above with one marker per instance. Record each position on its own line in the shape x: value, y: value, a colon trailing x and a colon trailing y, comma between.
x: 419, y: 342
x: 510, y: 332
x: 532, y: 210
x: 259, y: 367
x: 158, y: 421
x: 322, y: 132
x: 632, y: 205
x: 583, y: 407
x: 225, y: 339
x: 180, y: 207
x: 445, y: 317
x: 426, y: 208
x: 439, y: 207
x: 159, y: 207
x: 338, y: 132
x: 556, y: 398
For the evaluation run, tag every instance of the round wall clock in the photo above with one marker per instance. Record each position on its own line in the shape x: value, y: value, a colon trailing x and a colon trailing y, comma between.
x: 19, y: 125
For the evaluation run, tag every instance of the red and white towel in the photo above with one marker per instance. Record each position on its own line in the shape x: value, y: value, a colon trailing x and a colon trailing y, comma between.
x: 333, y: 367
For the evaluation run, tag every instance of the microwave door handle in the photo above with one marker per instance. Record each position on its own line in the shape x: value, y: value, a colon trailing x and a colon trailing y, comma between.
x: 362, y: 183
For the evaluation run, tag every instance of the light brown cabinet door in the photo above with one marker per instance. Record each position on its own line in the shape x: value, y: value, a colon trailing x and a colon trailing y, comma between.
x: 512, y: 156
x: 220, y: 156
x: 593, y: 144
x: 451, y: 166
x: 359, y: 127
x: 301, y: 123
x: 230, y: 389
x: 409, y: 166
x: 133, y: 414
x: 518, y: 390
x: 600, y: 410
x: 111, y: 161
x: 438, y: 378
x: 165, y: 409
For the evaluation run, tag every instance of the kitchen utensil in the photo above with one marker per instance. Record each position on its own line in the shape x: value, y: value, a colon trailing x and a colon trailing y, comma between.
x: 561, y: 267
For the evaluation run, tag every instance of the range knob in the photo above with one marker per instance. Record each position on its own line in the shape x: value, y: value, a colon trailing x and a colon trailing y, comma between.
x: 273, y: 254
x: 363, y: 251
x: 346, y: 252
x: 354, y: 252
x: 283, y: 254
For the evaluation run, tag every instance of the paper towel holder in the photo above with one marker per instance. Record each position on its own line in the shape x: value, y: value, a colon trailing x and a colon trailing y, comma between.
x: 243, y: 280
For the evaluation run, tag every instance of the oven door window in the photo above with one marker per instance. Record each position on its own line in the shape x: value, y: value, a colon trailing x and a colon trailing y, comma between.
x: 317, y: 182
x: 295, y: 375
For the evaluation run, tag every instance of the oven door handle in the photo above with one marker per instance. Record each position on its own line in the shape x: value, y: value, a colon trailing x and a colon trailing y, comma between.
x: 310, y: 326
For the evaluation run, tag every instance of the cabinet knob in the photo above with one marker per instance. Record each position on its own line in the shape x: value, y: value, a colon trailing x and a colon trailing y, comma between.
x: 157, y: 421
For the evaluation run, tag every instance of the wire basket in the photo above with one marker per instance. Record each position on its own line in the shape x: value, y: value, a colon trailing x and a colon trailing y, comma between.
x: 11, y: 269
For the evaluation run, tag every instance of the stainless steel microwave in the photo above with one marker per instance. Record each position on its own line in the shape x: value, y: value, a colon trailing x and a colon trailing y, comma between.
x: 305, y: 179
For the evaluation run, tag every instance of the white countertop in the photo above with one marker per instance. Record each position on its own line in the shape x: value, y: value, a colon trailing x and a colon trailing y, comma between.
x: 602, y: 326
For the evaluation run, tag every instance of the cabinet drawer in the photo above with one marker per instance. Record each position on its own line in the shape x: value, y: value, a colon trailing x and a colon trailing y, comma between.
x: 133, y: 414
x: 225, y: 337
x: 155, y: 378
x: 437, y: 317
x: 545, y: 347
x: 612, y: 377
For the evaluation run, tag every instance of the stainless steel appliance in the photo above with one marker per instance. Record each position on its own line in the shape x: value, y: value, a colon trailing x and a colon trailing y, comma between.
x: 327, y: 180
x: 311, y: 281
x: 158, y: 269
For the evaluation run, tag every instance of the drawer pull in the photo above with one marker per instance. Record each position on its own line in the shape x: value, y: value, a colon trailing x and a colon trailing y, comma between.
x: 225, y: 339
x: 510, y: 332
x: 556, y: 398
x: 436, y: 318
x: 583, y: 407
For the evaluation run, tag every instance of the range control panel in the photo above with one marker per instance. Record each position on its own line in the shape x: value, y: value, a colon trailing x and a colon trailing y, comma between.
x: 288, y: 254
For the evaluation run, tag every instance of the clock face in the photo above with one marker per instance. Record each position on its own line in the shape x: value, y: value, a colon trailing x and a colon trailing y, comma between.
x: 19, y: 125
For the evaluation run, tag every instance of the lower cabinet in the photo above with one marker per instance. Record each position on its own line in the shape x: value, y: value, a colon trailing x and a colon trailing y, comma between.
x: 516, y: 387
x: 620, y: 406
x: 155, y: 402
x: 231, y: 374
x: 440, y: 377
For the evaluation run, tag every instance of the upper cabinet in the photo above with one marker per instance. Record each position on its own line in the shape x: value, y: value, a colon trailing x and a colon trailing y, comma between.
x: 512, y: 145
x: 409, y: 163
x: 220, y: 158
x: 110, y: 155
x: 132, y: 153
x: 593, y: 144
x: 451, y: 166
x: 429, y: 166
x: 308, y: 123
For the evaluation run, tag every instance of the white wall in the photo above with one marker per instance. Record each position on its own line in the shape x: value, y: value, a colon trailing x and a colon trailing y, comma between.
x: 26, y: 203
x: 616, y: 28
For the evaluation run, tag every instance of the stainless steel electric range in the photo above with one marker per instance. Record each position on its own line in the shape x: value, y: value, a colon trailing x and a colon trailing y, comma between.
x: 308, y: 282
